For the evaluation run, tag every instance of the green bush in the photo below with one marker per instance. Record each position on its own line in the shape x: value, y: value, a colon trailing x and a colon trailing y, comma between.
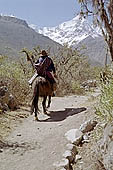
x: 15, y: 78
x: 72, y: 70
x: 76, y: 88
x: 105, y: 105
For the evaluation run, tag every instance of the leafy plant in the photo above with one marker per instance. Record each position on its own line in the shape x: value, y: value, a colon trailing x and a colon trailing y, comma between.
x: 105, y: 105
x: 72, y: 70
x: 13, y: 76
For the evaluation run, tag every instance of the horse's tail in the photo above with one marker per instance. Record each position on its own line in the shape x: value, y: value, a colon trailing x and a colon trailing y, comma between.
x: 34, y: 106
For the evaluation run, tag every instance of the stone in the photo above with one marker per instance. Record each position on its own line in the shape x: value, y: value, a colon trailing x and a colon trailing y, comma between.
x: 85, y: 138
x: 105, y: 147
x: 1, y: 150
x: 12, y: 102
x: 3, y: 91
x: 19, y: 134
x: 74, y: 136
x: 64, y: 163
x: 7, y: 100
x: 72, y: 148
x: 78, y: 157
x: 88, y: 126
x: 69, y: 155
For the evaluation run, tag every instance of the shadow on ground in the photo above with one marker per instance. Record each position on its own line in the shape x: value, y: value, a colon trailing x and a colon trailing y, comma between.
x: 61, y: 115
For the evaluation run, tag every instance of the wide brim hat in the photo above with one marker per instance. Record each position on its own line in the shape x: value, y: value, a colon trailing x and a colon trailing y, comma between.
x: 43, y: 52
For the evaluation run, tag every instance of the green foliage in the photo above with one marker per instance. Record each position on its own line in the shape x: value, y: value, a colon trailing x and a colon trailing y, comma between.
x: 15, y: 77
x: 76, y: 88
x: 72, y: 70
x: 105, y: 105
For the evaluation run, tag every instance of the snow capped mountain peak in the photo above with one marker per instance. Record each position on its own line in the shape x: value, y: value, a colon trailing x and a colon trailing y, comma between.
x: 70, y: 32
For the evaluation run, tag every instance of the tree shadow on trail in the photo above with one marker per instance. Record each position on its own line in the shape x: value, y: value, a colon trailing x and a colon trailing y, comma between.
x: 61, y: 115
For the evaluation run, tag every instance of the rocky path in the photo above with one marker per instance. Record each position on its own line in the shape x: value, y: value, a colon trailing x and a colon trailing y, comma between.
x: 38, y: 145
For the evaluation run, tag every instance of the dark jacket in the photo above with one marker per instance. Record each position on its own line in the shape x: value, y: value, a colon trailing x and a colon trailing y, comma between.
x: 51, y: 67
x: 47, y: 69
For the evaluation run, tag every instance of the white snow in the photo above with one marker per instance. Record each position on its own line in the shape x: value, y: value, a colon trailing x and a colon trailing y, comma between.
x: 71, y: 32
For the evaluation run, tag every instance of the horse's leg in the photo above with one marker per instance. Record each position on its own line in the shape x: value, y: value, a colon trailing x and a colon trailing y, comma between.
x: 44, y: 104
x: 49, y: 101
x: 34, y: 106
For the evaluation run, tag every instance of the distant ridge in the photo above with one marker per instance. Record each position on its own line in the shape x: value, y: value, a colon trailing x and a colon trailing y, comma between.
x: 16, y: 34
x: 13, y: 20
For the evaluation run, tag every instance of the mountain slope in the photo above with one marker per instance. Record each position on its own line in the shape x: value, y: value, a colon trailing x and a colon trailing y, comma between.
x: 15, y: 34
x: 78, y: 32
x: 70, y: 32
x: 95, y: 50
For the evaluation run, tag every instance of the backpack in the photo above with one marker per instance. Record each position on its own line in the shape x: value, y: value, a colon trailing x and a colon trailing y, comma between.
x: 42, y: 67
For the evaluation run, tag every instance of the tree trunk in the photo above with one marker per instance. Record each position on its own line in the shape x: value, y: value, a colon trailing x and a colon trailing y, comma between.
x: 110, y: 45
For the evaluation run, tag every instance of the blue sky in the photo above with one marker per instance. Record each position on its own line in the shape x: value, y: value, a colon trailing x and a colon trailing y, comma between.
x: 41, y: 12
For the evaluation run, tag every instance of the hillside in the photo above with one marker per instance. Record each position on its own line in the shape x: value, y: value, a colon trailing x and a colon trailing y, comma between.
x: 95, y: 49
x: 77, y: 32
x: 15, y: 34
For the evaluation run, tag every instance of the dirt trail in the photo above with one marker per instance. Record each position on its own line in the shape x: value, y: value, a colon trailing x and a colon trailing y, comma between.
x: 37, y: 145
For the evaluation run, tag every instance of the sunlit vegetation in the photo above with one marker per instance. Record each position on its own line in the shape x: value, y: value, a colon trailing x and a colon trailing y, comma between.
x: 71, y: 67
x: 15, y: 75
x: 105, y: 105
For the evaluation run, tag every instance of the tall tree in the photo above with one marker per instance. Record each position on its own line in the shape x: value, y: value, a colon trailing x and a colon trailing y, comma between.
x: 102, y: 11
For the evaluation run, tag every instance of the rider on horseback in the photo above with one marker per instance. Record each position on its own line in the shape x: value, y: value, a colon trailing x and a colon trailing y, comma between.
x: 45, y: 67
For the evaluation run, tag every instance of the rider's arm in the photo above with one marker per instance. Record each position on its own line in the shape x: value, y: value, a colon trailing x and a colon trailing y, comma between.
x: 38, y: 61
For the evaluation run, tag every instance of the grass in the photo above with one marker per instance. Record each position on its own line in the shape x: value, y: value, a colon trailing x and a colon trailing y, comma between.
x: 105, y: 104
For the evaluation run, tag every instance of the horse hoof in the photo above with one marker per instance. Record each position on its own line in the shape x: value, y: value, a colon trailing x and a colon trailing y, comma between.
x: 36, y: 118
x: 31, y: 113
x: 47, y: 113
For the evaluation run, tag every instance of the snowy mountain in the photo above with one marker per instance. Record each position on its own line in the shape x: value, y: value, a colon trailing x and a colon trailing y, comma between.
x: 71, y: 32
x: 15, y: 34
x: 79, y: 32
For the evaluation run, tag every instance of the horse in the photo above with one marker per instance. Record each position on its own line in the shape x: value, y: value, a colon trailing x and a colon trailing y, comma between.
x: 42, y: 88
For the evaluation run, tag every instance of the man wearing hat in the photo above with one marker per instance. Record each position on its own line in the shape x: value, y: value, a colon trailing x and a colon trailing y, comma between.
x: 45, y: 67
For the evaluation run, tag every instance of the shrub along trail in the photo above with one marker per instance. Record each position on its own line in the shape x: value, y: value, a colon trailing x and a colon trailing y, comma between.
x: 38, y: 145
